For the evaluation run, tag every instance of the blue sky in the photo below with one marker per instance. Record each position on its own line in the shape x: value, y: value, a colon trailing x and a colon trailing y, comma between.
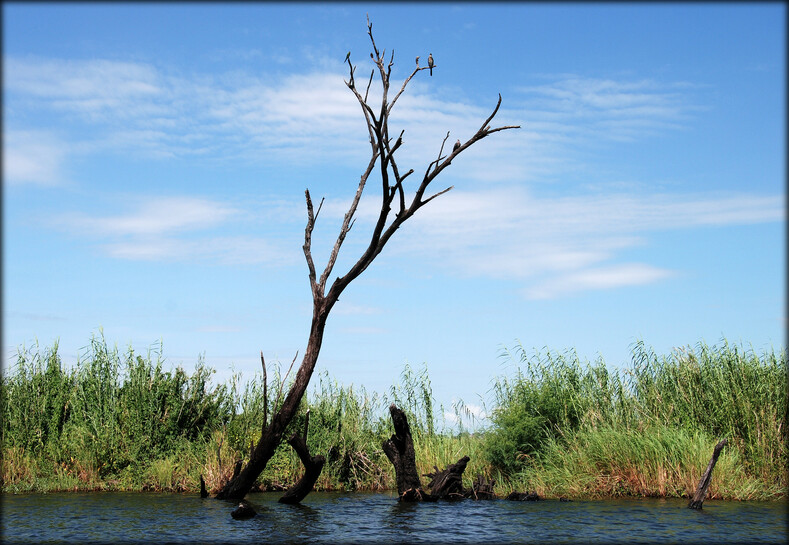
x: 155, y: 158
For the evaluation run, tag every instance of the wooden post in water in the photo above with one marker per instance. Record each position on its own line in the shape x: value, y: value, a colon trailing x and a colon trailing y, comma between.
x: 704, y: 483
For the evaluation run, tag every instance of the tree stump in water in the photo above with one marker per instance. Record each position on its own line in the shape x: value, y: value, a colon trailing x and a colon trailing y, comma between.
x: 706, y: 478
x: 312, y: 467
x: 203, y: 491
x: 448, y: 484
x: 400, y: 450
x: 482, y: 489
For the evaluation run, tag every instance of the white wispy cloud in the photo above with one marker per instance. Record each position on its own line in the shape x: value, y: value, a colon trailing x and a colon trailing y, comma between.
x: 553, y: 246
x: 597, y: 278
x: 309, y: 117
x: 156, y: 216
x: 33, y: 157
x: 182, y: 228
x: 556, y: 246
x: 608, y: 109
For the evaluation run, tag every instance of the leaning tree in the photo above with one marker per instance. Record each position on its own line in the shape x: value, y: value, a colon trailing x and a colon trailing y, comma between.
x: 393, y: 199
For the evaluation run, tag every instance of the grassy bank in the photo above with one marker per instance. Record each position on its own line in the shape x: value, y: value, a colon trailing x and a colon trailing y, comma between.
x: 119, y: 420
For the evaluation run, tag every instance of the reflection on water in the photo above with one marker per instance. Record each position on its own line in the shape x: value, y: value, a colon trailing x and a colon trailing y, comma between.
x: 378, y: 518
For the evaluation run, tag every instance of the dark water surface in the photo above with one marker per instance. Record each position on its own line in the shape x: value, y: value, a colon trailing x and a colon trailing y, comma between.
x: 379, y: 518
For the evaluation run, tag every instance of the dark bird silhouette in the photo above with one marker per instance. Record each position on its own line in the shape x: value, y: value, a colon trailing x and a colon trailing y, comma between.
x: 348, y: 56
x: 430, y: 63
x: 456, y: 146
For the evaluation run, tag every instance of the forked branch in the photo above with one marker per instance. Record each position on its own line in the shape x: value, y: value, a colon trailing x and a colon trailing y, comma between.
x: 391, y: 179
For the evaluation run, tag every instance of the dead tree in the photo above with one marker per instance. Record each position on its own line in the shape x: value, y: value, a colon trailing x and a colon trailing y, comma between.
x: 706, y: 478
x: 393, y: 196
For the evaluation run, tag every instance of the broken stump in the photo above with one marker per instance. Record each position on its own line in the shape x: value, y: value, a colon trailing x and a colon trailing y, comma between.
x: 482, y: 489
x: 448, y: 483
x: 400, y: 450
x: 706, y: 478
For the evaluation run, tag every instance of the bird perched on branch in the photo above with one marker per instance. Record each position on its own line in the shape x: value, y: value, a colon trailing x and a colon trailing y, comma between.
x: 417, y: 60
x: 430, y: 63
x: 348, y: 56
x: 456, y: 146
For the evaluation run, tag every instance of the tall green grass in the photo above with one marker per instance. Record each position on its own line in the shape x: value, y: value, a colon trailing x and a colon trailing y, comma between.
x: 120, y: 420
x: 581, y: 422
x: 560, y: 426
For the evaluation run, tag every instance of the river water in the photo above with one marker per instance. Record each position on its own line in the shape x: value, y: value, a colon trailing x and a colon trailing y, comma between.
x: 102, y: 517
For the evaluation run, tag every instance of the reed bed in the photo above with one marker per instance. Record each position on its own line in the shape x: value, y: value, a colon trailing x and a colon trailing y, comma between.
x: 559, y: 426
x: 567, y: 427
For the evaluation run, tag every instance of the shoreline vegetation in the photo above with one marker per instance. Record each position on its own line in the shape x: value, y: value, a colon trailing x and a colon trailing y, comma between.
x: 558, y: 426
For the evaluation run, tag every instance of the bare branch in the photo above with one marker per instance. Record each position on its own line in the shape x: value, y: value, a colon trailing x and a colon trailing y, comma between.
x: 441, y: 149
x: 346, y: 224
x: 372, y: 73
x: 282, y: 384
x: 370, y: 32
x: 320, y: 205
x: 351, y: 69
x: 400, y: 92
x: 437, y: 194
x: 308, y: 241
x: 389, y: 68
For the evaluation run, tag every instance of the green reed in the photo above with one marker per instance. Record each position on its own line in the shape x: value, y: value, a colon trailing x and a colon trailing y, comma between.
x: 555, y: 404
x: 107, y: 417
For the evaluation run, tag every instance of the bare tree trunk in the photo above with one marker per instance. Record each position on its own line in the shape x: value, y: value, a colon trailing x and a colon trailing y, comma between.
x: 238, y: 487
x: 704, y: 483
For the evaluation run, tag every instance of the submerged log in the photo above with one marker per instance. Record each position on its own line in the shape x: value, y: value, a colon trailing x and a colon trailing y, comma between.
x: 400, y: 450
x: 312, y: 467
x: 243, y: 511
x: 523, y: 496
x: 448, y: 484
x: 704, y: 483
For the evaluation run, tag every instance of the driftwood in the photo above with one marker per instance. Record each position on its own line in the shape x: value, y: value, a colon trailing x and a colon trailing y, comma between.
x: 704, y: 483
x: 312, y: 467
